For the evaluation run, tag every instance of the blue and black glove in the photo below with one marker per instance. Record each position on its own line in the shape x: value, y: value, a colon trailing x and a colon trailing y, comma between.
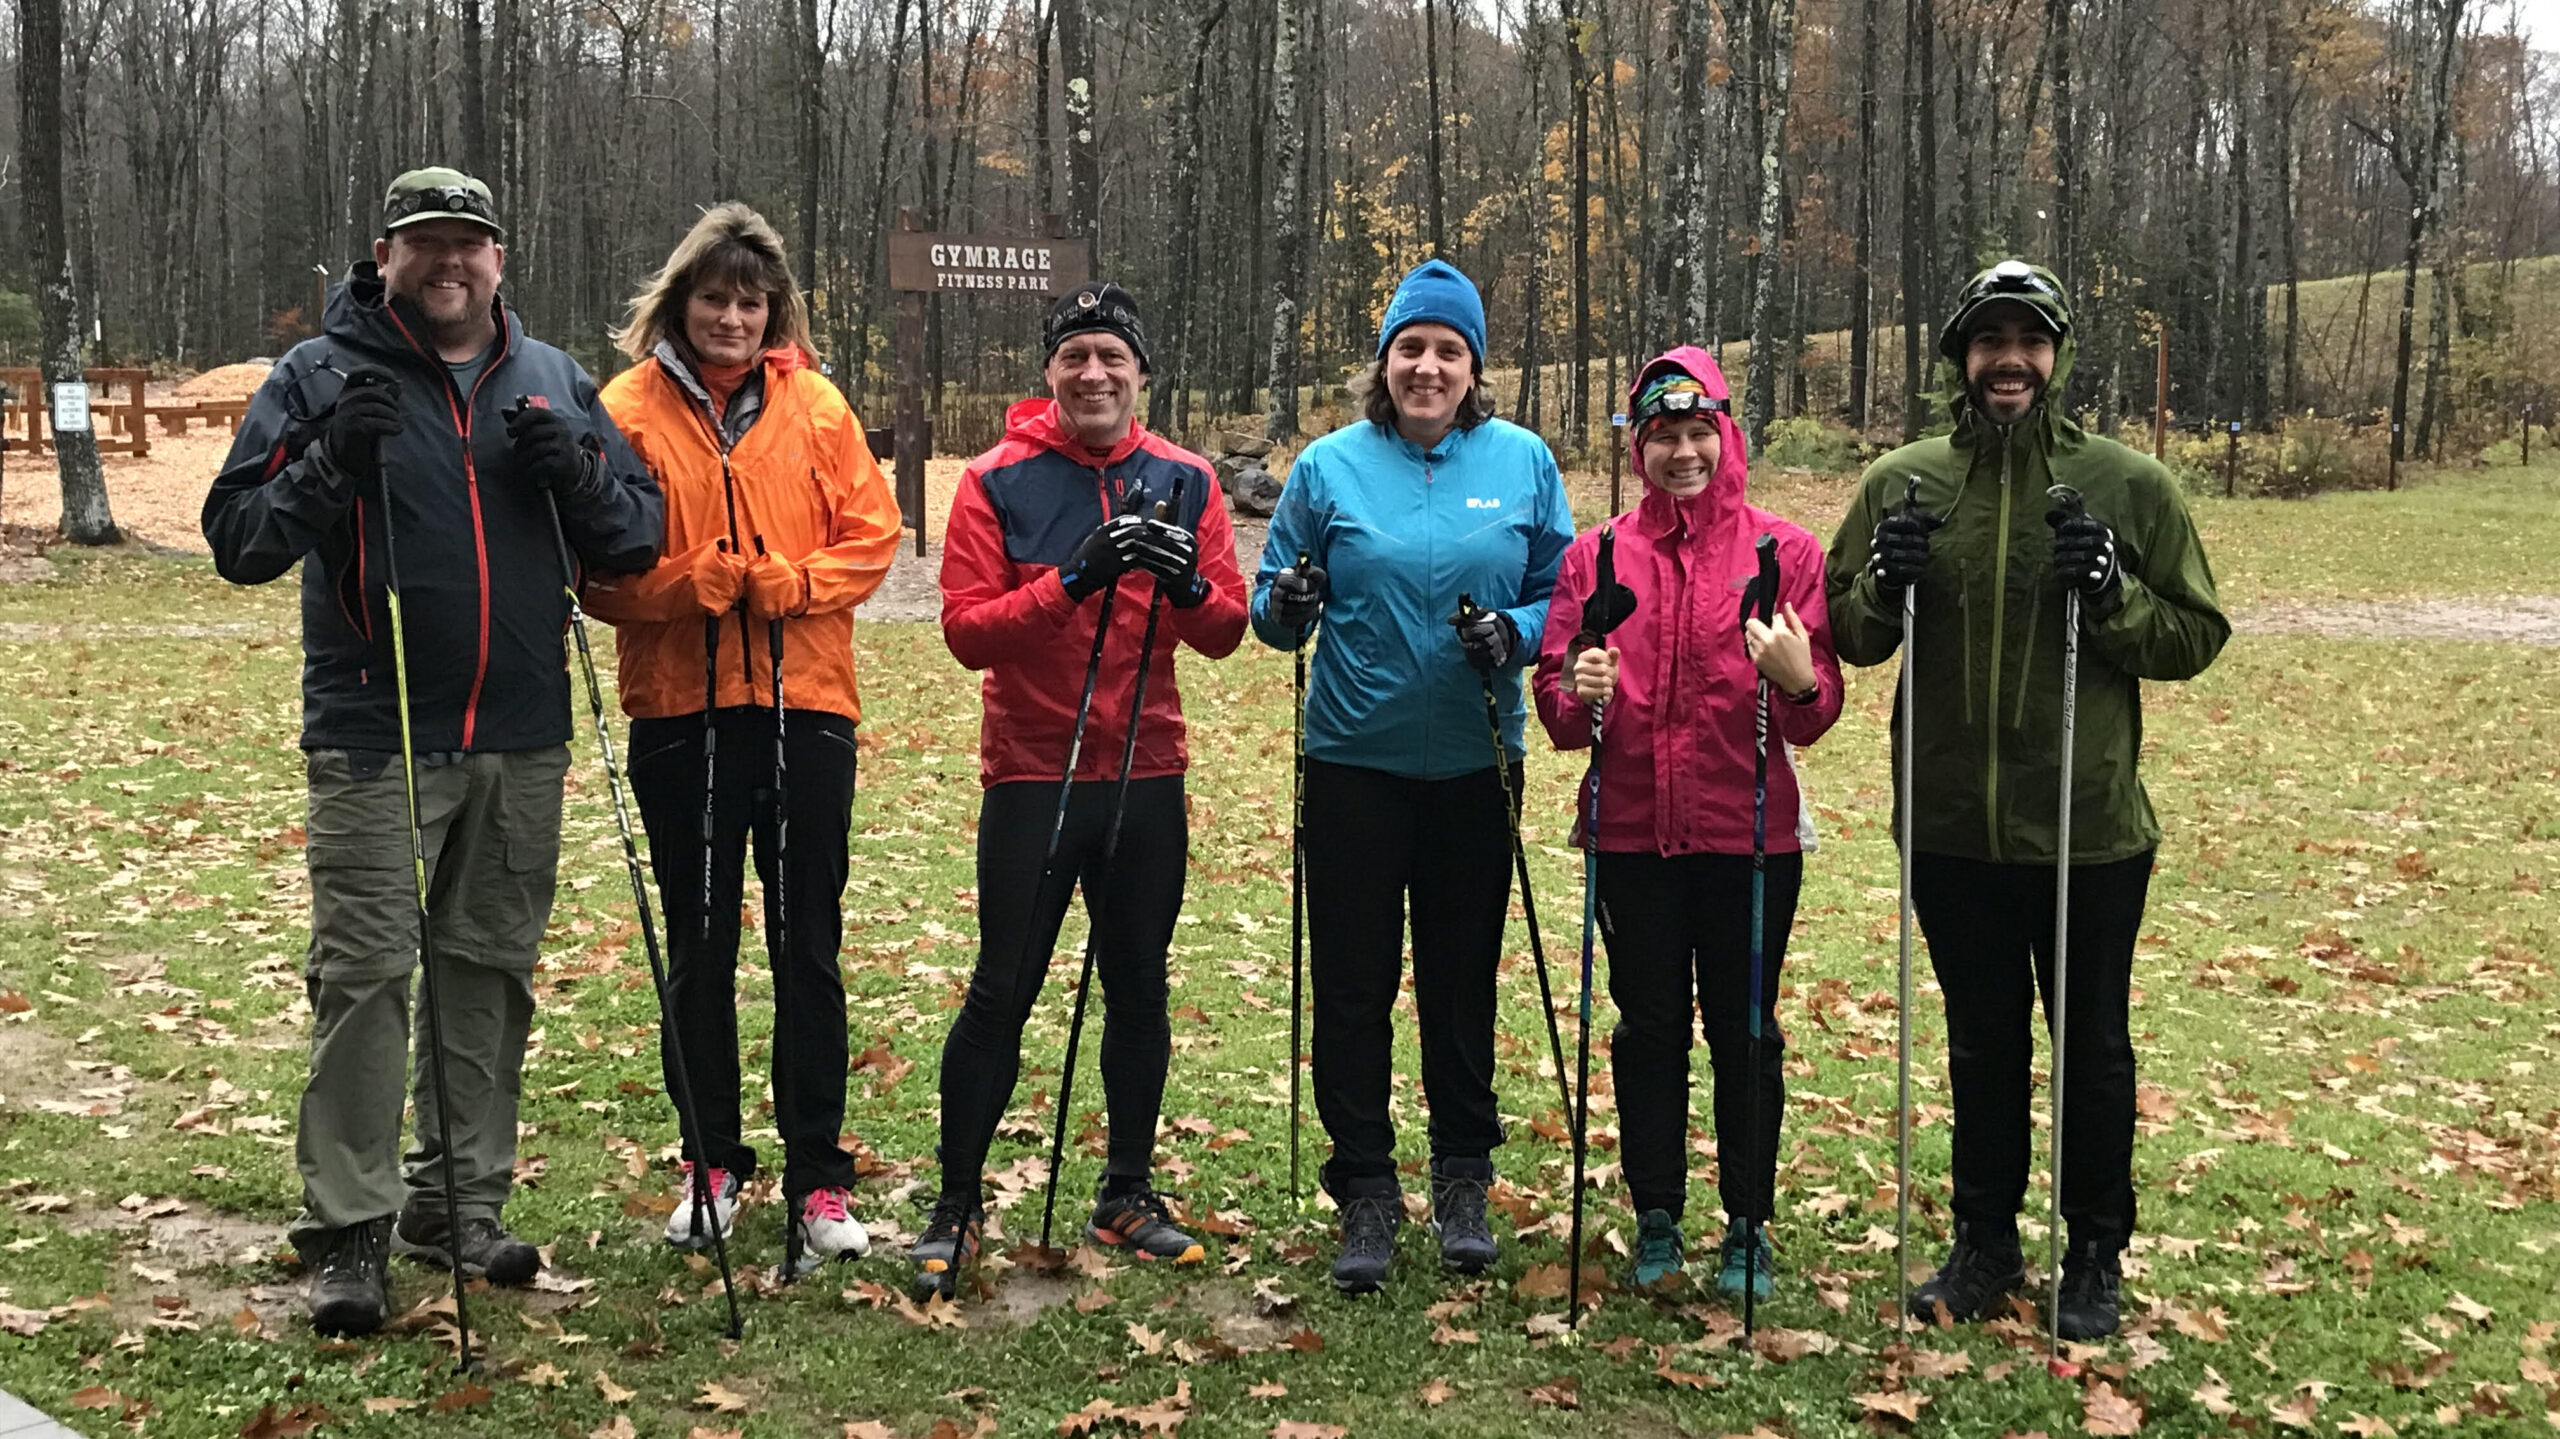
x: 1102, y: 557
x: 1298, y: 595
x: 1171, y: 554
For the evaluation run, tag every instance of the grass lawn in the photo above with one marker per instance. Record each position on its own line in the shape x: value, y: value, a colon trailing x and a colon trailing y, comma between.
x: 2349, y: 1161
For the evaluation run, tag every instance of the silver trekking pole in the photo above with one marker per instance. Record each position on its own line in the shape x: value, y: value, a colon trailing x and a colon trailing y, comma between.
x: 2068, y: 499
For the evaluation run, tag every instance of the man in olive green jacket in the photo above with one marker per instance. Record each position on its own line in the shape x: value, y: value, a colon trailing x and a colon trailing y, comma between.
x: 1992, y: 559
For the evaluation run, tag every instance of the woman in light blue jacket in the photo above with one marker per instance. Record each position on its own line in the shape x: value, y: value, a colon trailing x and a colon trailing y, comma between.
x: 1426, y: 501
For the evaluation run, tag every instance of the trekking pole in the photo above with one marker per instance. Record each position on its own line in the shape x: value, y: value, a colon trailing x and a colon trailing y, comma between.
x: 1528, y: 902
x: 1759, y: 604
x: 680, y: 1087
x: 1094, y: 898
x: 1298, y: 895
x: 778, y: 946
x: 705, y: 1207
x: 1598, y: 618
x: 2068, y: 499
x: 1902, y: 1043
x: 429, y: 996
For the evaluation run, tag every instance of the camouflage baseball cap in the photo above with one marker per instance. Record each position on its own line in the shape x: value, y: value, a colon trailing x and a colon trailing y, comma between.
x: 437, y: 193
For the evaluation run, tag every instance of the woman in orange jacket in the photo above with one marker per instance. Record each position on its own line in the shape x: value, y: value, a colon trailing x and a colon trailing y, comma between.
x: 776, y: 512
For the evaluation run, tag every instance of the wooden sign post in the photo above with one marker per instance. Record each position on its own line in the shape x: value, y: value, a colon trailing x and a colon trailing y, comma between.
x: 921, y: 264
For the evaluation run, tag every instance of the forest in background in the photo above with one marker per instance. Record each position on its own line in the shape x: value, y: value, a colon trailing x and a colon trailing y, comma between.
x: 1810, y: 177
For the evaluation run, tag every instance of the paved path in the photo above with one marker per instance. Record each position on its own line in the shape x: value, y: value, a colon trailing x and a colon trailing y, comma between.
x: 21, y: 1420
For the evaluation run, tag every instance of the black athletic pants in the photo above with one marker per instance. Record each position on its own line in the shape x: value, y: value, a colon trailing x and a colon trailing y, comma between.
x: 808, y: 990
x: 1132, y: 912
x: 1374, y: 842
x: 1679, y: 934
x: 1983, y: 921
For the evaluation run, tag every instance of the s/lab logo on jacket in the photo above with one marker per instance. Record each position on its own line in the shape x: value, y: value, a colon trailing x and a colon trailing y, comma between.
x: 1474, y: 503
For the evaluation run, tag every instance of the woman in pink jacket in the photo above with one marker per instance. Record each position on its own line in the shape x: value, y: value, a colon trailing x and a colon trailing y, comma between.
x: 1674, y: 836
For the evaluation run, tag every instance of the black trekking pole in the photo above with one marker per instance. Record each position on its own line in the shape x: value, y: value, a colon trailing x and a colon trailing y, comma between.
x: 1094, y: 898
x: 1297, y: 894
x: 778, y: 945
x: 428, y: 994
x: 1759, y: 604
x: 1902, y: 1042
x: 2069, y: 501
x: 1528, y: 902
x: 1601, y: 613
x: 680, y: 1089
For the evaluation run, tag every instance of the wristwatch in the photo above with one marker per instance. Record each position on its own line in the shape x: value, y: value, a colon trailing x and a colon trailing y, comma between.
x: 1811, y: 693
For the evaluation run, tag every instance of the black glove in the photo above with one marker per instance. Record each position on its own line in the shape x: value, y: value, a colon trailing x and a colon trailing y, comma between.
x: 1171, y: 554
x: 2084, y: 556
x: 547, y: 449
x: 366, y: 414
x: 1900, y: 551
x: 1102, y: 557
x: 1297, y: 598
x: 1488, y: 637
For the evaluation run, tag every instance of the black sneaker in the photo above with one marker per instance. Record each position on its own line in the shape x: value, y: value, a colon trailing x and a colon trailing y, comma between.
x: 1369, y: 1225
x: 946, y: 1249
x: 488, y: 1250
x: 2091, y: 1306
x: 1980, y: 1271
x: 1457, y: 1213
x: 351, y: 1288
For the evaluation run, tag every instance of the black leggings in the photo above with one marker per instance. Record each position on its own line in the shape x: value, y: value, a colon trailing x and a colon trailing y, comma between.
x: 1990, y: 929
x: 1373, y: 840
x: 808, y: 989
x: 1679, y: 935
x: 1132, y: 927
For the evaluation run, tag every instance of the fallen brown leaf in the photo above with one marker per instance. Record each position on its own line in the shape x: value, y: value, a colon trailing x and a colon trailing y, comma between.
x: 388, y: 1404
x: 1436, y: 1392
x: 1562, y: 1392
x: 468, y: 1396
x: 720, y: 1400
x: 617, y: 1427
x: 2104, y: 1411
x: 1299, y: 1429
x: 613, y: 1393
x: 1902, y: 1404
x: 268, y: 1424
x: 1267, y: 1391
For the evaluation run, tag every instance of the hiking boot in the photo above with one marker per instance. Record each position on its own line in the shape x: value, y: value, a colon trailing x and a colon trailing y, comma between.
x: 1981, y: 1270
x: 946, y: 1249
x: 1457, y: 1213
x: 692, y: 1226
x: 1141, y: 1223
x: 823, y: 1229
x: 351, y: 1287
x: 488, y: 1250
x: 1369, y: 1225
x: 1746, y: 1260
x: 1659, y: 1254
x: 2090, y: 1308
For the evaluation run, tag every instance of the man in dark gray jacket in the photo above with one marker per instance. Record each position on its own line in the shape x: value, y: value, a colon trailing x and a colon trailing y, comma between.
x: 400, y: 419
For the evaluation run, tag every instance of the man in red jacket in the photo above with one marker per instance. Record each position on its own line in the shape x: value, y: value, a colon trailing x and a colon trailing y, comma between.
x: 1044, y: 525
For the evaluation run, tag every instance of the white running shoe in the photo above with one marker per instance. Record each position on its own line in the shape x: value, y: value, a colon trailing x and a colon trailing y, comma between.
x: 826, y: 1229
x: 685, y: 1227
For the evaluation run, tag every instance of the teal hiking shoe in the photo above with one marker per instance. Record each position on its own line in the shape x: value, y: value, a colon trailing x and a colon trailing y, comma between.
x: 1740, y: 1268
x: 1660, y: 1257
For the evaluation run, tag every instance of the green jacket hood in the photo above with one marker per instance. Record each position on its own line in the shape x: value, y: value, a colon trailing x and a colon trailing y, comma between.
x: 2048, y: 418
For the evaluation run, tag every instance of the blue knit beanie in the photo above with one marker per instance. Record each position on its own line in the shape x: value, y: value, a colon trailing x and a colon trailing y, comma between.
x: 1433, y: 292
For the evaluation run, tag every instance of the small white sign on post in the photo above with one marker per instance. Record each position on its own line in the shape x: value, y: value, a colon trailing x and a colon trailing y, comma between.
x: 70, y: 408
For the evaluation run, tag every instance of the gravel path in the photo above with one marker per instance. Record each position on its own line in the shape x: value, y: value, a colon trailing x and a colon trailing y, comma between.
x: 2524, y: 619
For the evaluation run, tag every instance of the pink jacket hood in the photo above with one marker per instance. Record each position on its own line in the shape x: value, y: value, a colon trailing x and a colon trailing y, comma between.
x: 1676, y: 767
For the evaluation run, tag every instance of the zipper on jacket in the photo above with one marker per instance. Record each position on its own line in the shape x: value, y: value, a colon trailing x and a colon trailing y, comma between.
x: 471, y: 482
x: 1999, y: 622
x: 2027, y: 661
x: 701, y: 411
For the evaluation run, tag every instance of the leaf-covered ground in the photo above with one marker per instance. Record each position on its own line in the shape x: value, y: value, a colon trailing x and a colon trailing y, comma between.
x: 2349, y: 1161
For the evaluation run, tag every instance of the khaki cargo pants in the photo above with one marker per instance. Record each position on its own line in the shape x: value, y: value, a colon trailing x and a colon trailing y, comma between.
x: 492, y: 826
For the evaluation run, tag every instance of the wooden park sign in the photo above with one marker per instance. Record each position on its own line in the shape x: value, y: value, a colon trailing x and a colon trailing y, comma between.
x: 922, y: 263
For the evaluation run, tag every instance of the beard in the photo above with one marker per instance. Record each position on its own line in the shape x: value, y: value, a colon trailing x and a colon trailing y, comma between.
x: 1978, y: 390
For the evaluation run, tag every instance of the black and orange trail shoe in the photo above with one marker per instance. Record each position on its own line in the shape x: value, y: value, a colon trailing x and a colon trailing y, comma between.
x: 1141, y: 1223
x: 947, y: 1248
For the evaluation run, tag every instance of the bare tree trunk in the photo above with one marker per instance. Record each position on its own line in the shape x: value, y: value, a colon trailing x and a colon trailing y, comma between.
x: 1779, y: 59
x: 1438, y: 181
x: 1696, y: 220
x: 1287, y: 227
x: 2288, y: 218
x: 1577, y: 416
x: 2423, y: 172
x: 1044, y: 157
x: 1862, y: 301
x: 1084, y: 165
x: 1166, y: 403
x: 2435, y: 402
x: 475, y: 95
x: 1919, y: 160
x: 86, y: 519
x: 813, y: 128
